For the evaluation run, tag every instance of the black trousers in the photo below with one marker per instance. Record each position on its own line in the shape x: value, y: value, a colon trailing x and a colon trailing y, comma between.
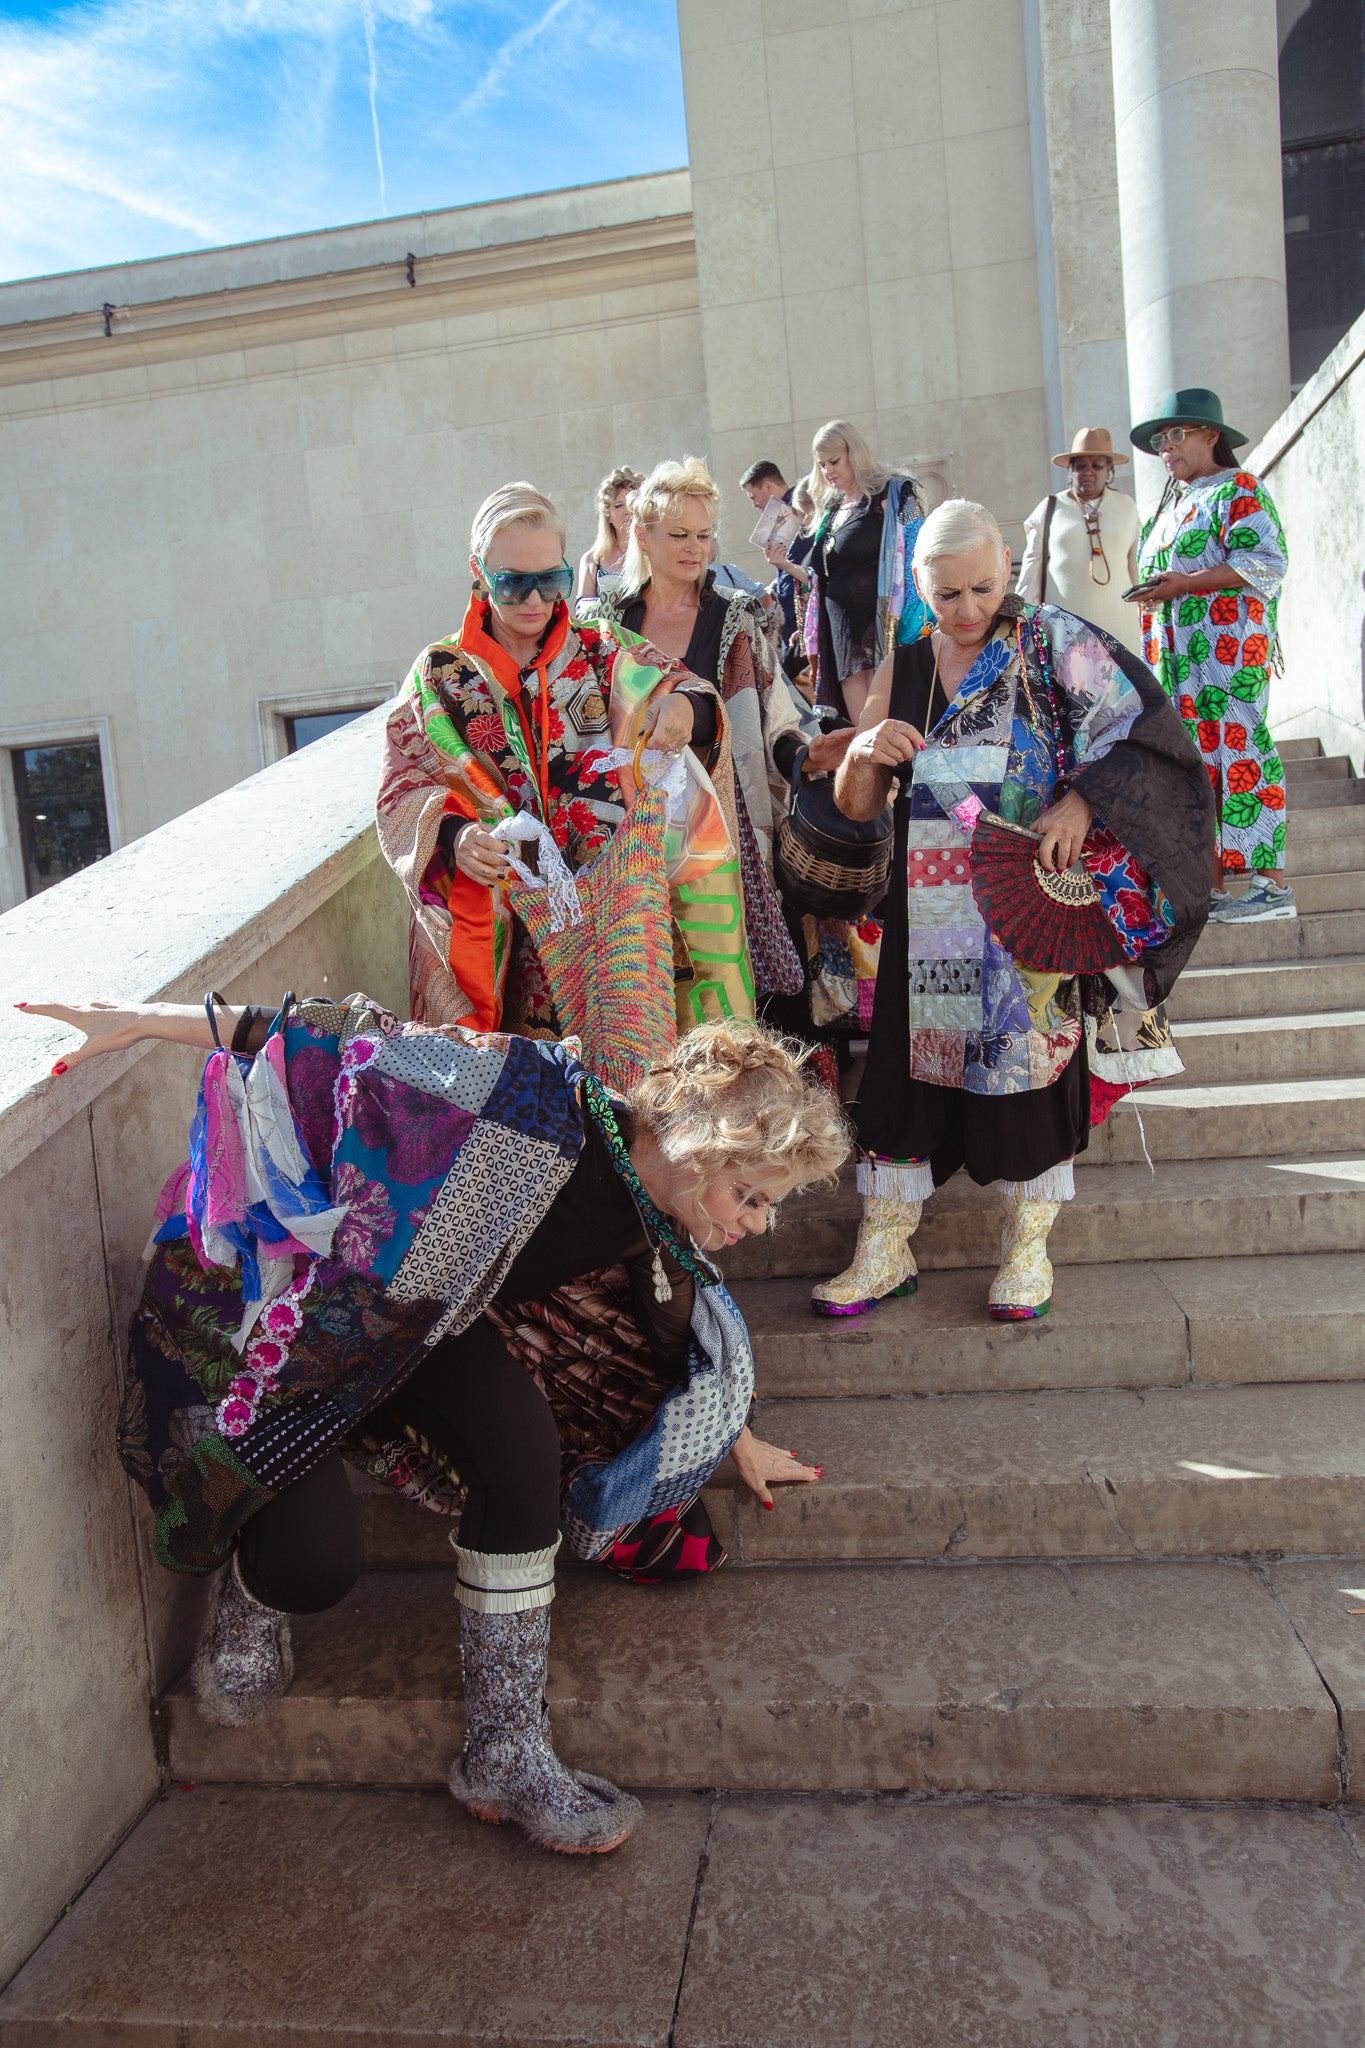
x: 477, y: 1407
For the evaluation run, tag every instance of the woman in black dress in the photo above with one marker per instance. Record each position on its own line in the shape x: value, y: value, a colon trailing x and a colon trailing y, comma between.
x: 976, y: 1057
x: 863, y: 603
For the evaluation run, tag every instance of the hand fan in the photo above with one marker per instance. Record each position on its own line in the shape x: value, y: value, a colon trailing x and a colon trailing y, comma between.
x: 1055, y: 922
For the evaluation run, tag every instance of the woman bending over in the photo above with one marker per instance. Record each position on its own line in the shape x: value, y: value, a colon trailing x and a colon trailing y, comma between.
x: 461, y: 1263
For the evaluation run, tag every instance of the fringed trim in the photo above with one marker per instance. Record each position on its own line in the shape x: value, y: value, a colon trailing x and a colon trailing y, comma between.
x: 1058, y: 1184
x: 505, y: 1582
x: 900, y: 1180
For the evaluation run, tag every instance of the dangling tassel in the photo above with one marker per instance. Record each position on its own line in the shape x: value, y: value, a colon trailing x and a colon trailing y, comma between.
x: 662, y: 1291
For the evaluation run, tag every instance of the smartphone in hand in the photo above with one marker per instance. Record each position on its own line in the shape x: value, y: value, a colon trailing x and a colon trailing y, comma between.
x: 1136, y: 592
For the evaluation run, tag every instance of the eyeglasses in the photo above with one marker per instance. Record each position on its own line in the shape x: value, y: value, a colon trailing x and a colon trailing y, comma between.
x: 1172, y: 438
x: 514, y: 586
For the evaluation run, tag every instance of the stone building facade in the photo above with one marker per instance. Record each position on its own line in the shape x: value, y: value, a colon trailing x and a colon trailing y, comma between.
x: 236, y: 485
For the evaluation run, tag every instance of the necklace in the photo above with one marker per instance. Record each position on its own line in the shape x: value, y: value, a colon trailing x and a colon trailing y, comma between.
x: 657, y: 1227
x: 1090, y: 509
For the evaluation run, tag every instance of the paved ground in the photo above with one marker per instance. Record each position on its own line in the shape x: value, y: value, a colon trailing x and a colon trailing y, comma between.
x: 367, y: 1917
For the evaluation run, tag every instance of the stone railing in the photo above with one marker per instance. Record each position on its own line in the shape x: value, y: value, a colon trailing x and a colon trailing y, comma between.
x: 1313, y: 460
x: 277, y: 883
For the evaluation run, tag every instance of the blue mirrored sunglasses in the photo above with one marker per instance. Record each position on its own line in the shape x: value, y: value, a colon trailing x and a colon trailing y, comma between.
x: 514, y: 586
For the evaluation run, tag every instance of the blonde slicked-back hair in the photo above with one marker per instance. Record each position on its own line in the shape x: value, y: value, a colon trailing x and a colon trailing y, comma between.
x: 834, y: 436
x: 513, y: 505
x: 655, y: 498
x: 623, y: 479
x: 736, y: 1098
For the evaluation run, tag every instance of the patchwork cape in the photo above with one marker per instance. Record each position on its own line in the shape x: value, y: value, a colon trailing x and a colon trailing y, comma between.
x: 1049, y: 703
x: 357, y: 1191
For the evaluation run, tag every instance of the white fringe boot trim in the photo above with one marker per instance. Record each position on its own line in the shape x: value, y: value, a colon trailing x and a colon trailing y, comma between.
x: 899, y: 1180
x: 1058, y: 1184
x: 505, y: 1582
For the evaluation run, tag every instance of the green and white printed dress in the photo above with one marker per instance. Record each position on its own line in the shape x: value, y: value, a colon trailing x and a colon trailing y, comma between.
x: 1213, y: 651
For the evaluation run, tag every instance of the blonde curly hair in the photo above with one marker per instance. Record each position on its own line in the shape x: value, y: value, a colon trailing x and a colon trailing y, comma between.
x: 654, y: 499
x: 737, y: 1098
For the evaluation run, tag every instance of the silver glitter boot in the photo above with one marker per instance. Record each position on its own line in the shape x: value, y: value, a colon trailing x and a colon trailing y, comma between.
x: 244, y: 1662
x: 509, y: 1770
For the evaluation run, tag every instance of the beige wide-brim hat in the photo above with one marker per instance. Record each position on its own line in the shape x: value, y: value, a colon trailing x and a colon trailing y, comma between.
x: 1090, y: 441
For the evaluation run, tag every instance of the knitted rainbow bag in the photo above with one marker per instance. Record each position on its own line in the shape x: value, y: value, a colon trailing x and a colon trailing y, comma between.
x: 612, y: 974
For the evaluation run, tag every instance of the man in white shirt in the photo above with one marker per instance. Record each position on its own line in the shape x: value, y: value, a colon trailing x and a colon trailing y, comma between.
x: 1080, y: 546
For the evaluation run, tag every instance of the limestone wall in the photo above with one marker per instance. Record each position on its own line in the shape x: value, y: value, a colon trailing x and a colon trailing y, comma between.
x: 863, y: 201
x: 259, y: 485
x: 1313, y: 460
x: 277, y: 883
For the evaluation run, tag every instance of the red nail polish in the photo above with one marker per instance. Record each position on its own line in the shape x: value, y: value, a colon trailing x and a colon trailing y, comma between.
x: 21, y: 1006
x: 819, y: 1471
x: 768, y: 1505
x: 60, y: 1067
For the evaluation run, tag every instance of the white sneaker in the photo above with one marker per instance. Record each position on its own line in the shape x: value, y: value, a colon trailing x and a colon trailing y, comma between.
x: 1264, y: 899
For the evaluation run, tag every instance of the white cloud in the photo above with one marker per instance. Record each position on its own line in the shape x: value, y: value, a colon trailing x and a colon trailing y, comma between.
x: 131, y: 128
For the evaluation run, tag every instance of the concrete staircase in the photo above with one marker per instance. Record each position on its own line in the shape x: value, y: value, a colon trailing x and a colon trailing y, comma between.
x: 1109, y: 1557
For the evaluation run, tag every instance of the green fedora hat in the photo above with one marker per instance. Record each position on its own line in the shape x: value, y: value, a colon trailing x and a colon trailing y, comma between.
x: 1193, y: 407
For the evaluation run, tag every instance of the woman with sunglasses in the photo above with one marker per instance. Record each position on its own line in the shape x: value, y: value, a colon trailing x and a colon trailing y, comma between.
x: 521, y: 711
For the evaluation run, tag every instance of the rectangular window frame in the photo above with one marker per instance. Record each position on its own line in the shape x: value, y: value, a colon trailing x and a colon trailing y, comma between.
x: 48, y: 733
x: 274, y: 713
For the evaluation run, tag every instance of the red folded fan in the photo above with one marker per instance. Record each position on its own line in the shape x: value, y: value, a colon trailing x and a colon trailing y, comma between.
x: 1055, y: 922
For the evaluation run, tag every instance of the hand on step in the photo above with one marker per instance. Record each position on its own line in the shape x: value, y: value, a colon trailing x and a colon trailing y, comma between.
x: 762, y: 1466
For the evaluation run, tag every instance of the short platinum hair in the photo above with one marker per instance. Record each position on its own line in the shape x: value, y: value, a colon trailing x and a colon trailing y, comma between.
x: 518, y: 504
x: 956, y: 527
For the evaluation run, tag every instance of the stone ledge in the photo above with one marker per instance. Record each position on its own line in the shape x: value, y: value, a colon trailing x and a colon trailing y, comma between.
x: 175, y: 913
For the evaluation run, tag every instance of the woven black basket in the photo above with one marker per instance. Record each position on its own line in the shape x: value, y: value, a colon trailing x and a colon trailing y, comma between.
x: 827, y: 865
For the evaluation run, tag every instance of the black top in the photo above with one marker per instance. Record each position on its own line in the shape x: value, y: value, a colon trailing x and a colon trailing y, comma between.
x: 703, y: 652
x: 996, y: 1137
x: 593, y: 1223
x: 848, y: 559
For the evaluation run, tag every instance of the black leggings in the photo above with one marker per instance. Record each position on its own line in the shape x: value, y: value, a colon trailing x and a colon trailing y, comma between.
x: 477, y: 1407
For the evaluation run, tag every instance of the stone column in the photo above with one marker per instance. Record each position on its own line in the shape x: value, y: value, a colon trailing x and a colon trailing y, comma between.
x: 1201, y: 218
x: 1076, y: 218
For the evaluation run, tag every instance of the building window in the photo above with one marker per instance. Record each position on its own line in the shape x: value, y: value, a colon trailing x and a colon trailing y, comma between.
x: 1322, y: 135
x: 288, y: 723
x: 63, y: 821
x: 310, y: 726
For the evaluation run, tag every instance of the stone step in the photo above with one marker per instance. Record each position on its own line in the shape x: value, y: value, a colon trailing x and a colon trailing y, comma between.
x: 1306, y: 769
x: 1341, y: 891
x: 1112, y: 1679
x: 391, y: 1917
x: 1191, y: 1209
x: 1299, y: 750
x: 1324, y: 842
x: 1273, y: 989
x: 1234, y: 1120
x: 1314, y: 935
x: 1165, y: 1472
x: 1320, y: 795
x: 1271, y: 1048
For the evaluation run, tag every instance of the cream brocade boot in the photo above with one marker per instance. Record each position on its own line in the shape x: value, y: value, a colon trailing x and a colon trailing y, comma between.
x: 1022, y: 1289
x: 883, y: 1264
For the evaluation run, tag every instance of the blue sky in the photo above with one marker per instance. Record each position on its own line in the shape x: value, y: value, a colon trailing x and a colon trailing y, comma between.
x: 143, y: 127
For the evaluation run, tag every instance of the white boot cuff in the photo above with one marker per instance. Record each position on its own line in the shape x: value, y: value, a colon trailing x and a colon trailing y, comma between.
x: 506, y: 1582
x: 1058, y: 1184
x: 899, y: 1180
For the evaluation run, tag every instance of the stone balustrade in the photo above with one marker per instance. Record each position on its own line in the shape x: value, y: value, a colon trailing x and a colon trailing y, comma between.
x: 277, y: 883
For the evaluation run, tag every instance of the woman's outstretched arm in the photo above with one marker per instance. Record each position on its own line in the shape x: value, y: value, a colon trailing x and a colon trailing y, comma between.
x: 111, y: 1027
